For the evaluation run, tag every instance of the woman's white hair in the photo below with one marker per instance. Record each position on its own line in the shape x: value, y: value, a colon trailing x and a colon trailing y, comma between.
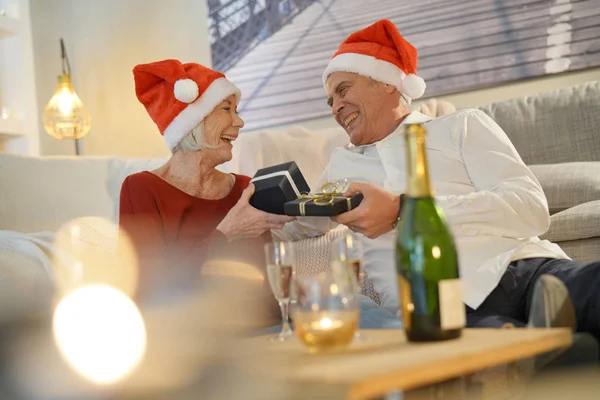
x: 194, y: 141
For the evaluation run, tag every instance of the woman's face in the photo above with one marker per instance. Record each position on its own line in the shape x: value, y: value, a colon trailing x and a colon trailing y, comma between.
x: 221, y: 128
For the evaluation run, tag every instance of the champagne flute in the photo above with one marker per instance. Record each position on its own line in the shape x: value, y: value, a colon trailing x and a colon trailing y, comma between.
x: 347, y: 253
x: 281, y: 271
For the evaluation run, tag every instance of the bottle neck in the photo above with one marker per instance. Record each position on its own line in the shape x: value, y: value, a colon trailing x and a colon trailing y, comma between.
x: 416, y: 159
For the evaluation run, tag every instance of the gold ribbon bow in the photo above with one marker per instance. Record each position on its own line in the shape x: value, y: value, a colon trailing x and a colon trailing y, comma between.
x: 329, y: 193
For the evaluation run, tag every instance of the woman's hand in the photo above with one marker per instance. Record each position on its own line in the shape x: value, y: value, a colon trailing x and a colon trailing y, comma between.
x: 243, y: 220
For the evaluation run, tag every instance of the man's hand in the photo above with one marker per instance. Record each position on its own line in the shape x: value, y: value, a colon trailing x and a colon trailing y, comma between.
x: 376, y: 213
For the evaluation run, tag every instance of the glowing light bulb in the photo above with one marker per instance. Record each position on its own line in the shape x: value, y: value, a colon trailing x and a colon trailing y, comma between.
x: 100, y: 332
x: 65, y: 116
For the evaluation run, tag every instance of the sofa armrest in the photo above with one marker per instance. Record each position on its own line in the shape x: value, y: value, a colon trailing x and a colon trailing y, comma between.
x: 24, y: 283
x: 567, y: 185
x: 579, y: 222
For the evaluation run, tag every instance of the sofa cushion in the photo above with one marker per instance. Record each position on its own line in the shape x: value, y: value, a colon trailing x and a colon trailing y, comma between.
x: 568, y: 185
x: 42, y: 194
x: 25, y: 285
x: 39, y: 194
x: 310, y: 149
x: 579, y: 222
x: 583, y: 250
x: 553, y: 127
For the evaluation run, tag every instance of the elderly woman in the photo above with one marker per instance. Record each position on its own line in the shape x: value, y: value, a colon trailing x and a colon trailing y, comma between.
x: 187, y: 212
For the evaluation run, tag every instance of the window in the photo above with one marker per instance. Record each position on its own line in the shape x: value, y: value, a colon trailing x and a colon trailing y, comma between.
x: 463, y: 45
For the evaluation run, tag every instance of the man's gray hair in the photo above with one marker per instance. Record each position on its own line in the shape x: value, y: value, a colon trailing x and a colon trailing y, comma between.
x: 405, y: 101
x: 194, y: 141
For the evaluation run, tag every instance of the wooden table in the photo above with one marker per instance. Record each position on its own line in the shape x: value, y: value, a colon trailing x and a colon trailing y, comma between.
x: 387, y: 362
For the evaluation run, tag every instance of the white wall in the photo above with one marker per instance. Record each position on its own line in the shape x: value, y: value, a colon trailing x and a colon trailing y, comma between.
x: 486, y: 96
x: 105, y: 39
x: 17, y: 81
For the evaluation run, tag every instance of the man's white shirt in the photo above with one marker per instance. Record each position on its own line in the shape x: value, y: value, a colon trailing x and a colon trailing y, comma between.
x: 493, y: 203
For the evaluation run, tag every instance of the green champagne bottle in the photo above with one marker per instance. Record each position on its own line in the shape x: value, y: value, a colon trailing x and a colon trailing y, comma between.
x: 426, y: 259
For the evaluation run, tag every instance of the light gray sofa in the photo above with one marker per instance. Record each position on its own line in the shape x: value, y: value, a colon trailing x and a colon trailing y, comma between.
x: 557, y: 133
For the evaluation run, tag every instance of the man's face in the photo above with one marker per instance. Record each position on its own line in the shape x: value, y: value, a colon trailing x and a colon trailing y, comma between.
x: 360, y: 105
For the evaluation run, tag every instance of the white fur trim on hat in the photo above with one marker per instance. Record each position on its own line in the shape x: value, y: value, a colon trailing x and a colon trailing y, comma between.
x: 185, y: 90
x: 374, y: 68
x: 195, y: 112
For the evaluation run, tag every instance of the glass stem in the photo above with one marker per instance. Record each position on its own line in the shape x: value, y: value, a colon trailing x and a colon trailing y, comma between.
x: 285, y: 316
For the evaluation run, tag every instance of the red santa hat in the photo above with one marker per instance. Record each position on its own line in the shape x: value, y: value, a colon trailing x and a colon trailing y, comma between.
x: 179, y: 96
x: 381, y: 53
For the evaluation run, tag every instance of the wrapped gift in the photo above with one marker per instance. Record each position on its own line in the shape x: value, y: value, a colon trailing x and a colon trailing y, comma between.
x: 276, y: 185
x: 322, y: 205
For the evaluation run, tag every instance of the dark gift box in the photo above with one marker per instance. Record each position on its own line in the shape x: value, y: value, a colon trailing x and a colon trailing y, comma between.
x: 322, y: 205
x: 276, y: 185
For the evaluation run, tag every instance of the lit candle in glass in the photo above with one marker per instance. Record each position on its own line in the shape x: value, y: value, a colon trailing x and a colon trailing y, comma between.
x: 325, y: 330
x: 326, y: 313
x: 326, y: 323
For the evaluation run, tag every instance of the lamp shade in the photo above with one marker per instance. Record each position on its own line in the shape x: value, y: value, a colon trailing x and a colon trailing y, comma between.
x: 65, y: 116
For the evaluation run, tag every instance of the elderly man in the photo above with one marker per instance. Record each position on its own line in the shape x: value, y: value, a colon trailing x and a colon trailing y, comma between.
x: 494, y: 204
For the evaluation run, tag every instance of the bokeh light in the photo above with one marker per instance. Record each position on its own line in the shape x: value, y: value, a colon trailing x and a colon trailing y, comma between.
x: 100, y: 332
